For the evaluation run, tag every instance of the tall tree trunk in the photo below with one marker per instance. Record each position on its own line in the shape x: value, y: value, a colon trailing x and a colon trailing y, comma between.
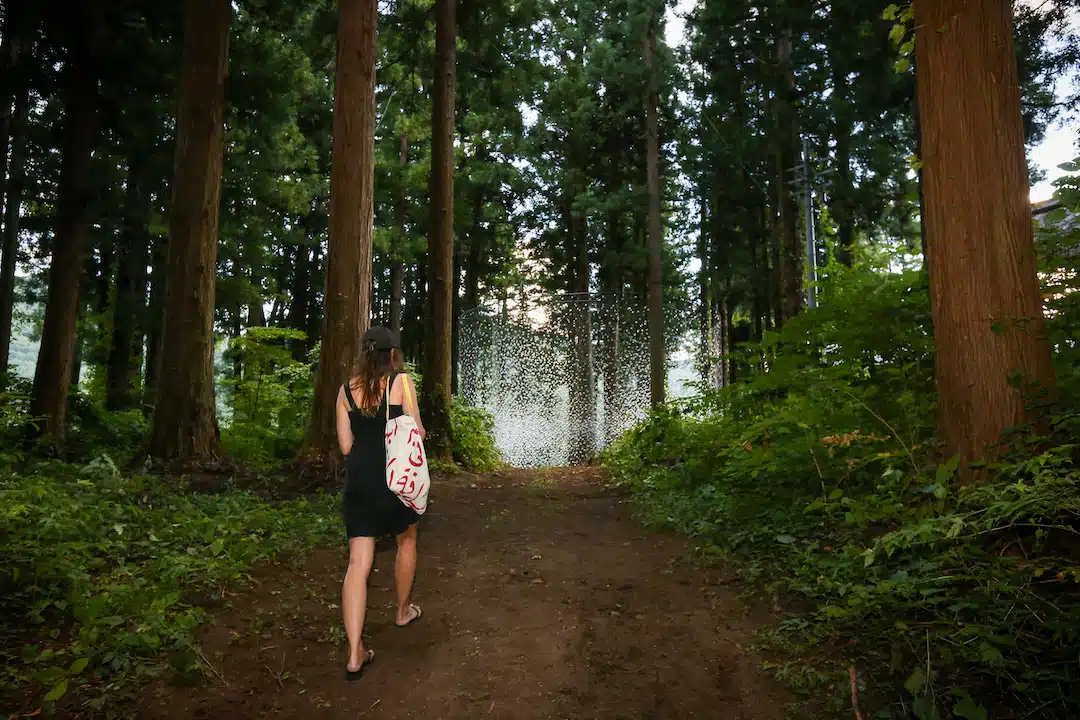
x: 256, y: 313
x: 759, y: 262
x: 315, y: 294
x: 397, y: 293
x: 582, y: 396
x: 155, y: 315
x: 418, y: 314
x: 612, y: 316
x: 348, y: 267
x: 920, y: 180
x: 771, y: 257
x: 705, y: 295
x: 719, y: 375
x: 787, y: 148
x: 438, y: 351
x: 727, y: 338
x: 129, y: 305
x: 472, y: 271
x: 657, y: 354
x: 840, y: 200
x: 986, y: 305
x: 185, y: 415
x: 80, y: 347
x: 843, y: 189
x: 9, y: 244
x: 52, y: 375
x: 455, y: 327
x: 300, y: 303
x: 397, y: 266
x: 12, y: 85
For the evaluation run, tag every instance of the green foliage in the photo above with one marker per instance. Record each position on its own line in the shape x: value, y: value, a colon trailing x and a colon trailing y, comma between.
x: 270, y: 399
x: 474, y: 438
x: 93, y: 430
x: 820, y: 478
x: 1057, y: 240
x: 902, y: 33
x: 103, y: 569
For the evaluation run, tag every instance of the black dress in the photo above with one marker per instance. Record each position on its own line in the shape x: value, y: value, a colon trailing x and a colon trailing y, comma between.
x: 370, y: 508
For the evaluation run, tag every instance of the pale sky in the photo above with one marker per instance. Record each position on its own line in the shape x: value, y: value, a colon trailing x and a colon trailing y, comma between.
x: 1059, y: 146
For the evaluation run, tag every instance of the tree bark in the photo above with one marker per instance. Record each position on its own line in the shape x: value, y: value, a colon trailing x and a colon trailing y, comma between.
x: 12, y: 83
x: 418, y: 314
x: 455, y: 326
x: 300, y: 302
x: 155, y: 314
x: 185, y: 415
x: 986, y: 306
x: 759, y: 270
x: 841, y: 198
x: 791, y: 248
x: 719, y: 375
x: 472, y: 270
x: 657, y: 354
x: 771, y: 255
x: 612, y: 316
x: 129, y: 305
x: 52, y: 375
x: 843, y: 189
x: 705, y: 294
x: 582, y: 395
x: 256, y: 313
x: 438, y: 340
x: 13, y: 195
x: 920, y: 180
x: 347, y: 294
x: 397, y: 266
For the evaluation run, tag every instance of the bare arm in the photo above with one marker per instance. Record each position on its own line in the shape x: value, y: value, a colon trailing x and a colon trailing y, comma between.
x: 344, y: 427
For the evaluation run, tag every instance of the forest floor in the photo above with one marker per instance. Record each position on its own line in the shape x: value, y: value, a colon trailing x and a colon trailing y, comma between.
x: 542, y: 598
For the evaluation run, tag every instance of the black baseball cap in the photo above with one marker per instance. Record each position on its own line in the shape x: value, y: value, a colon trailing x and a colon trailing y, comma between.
x: 384, y: 338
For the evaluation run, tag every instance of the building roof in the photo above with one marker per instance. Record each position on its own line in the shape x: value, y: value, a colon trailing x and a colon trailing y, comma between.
x: 1040, y: 211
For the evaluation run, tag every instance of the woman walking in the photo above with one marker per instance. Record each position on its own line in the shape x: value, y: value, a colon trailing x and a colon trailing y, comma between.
x: 378, y: 390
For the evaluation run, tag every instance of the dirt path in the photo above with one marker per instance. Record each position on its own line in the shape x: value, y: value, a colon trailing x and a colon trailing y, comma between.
x: 542, y: 599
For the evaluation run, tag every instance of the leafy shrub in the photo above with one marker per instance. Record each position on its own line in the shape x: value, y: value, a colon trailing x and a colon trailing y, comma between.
x: 93, y: 430
x: 15, y: 418
x: 820, y: 478
x: 102, y: 569
x: 269, y: 400
x: 474, y: 438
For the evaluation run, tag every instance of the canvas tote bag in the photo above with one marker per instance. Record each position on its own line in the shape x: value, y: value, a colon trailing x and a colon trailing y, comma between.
x: 407, y: 473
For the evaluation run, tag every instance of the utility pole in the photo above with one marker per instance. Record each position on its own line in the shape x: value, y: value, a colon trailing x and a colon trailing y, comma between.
x: 804, y: 178
x: 811, y: 240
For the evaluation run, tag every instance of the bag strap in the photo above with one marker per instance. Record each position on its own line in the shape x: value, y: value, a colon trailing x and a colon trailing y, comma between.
x: 408, y: 393
x: 389, y: 384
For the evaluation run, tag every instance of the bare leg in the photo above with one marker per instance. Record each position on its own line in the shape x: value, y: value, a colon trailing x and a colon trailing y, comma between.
x: 404, y: 572
x: 354, y: 596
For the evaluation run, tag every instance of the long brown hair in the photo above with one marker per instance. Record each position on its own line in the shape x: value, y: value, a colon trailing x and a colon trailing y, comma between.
x: 372, y: 366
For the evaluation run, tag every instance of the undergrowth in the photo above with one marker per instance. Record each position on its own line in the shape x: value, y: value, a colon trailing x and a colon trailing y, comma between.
x: 103, y: 571
x: 820, y: 478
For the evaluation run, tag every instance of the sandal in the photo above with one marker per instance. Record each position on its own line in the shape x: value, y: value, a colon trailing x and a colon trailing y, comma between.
x: 350, y: 675
x: 414, y: 618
